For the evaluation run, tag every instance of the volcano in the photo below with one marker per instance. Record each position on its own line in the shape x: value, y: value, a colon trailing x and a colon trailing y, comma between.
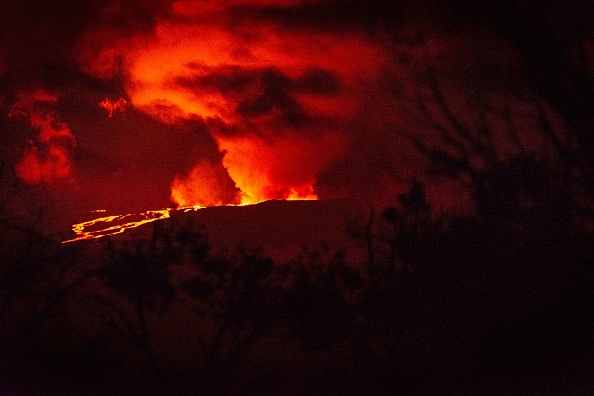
x: 281, y: 229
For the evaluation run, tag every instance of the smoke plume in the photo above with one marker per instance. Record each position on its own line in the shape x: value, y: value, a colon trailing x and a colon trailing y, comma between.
x: 234, y: 102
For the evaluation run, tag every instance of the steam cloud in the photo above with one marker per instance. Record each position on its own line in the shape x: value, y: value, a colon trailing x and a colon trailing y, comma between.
x: 255, y: 100
x: 46, y: 158
x: 276, y: 100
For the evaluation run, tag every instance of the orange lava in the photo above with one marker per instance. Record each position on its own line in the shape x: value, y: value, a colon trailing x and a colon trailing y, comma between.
x: 112, y: 225
x: 275, y: 99
x: 118, y: 224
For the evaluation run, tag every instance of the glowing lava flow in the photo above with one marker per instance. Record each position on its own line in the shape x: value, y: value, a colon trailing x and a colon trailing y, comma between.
x: 117, y: 224
x: 112, y: 225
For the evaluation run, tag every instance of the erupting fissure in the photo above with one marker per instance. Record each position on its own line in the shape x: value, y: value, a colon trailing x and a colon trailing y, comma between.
x: 112, y: 225
x: 278, y: 103
x: 117, y: 224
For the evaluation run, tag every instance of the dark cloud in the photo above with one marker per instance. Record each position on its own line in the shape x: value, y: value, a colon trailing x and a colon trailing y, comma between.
x: 273, y: 95
x: 317, y: 81
x: 263, y: 92
x: 264, y: 96
x: 233, y: 80
x: 334, y: 16
x: 38, y: 38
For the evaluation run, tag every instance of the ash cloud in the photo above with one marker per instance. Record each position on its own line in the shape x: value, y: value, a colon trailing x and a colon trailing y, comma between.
x: 37, y: 38
x: 268, y: 99
x: 275, y: 98
x: 262, y: 92
x: 256, y: 92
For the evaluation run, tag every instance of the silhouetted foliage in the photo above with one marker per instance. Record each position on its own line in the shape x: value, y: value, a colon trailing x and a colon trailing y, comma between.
x: 504, y: 288
x: 321, y: 300
x: 497, y: 298
x: 139, y: 272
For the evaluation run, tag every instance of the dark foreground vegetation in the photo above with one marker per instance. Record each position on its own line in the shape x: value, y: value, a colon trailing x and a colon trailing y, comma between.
x: 497, y: 302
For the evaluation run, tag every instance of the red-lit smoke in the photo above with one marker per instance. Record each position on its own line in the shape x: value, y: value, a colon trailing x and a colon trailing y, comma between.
x: 300, y: 98
x: 275, y: 100
x: 47, y: 157
x: 201, y: 187
x: 113, y: 105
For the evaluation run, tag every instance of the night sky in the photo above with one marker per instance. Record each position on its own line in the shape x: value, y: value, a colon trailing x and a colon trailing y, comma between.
x: 227, y: 102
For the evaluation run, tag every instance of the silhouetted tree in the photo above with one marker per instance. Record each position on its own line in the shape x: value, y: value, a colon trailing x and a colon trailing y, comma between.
x: 556, y: 42
x: 39, y: 280
x: 141, y: 274
x: 467, y: 126
x: 35, y: 274
x: 476, y: 296
x: 322, y: 299
x: 240, y: 297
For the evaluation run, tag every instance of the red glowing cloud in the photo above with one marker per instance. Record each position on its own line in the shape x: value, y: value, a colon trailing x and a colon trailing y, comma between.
x: 112, y: 106
x: 276, y: 99
x: 284, y: 168
x: 48, y: 157
x: 203, y: 186
x: 300, y: 98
